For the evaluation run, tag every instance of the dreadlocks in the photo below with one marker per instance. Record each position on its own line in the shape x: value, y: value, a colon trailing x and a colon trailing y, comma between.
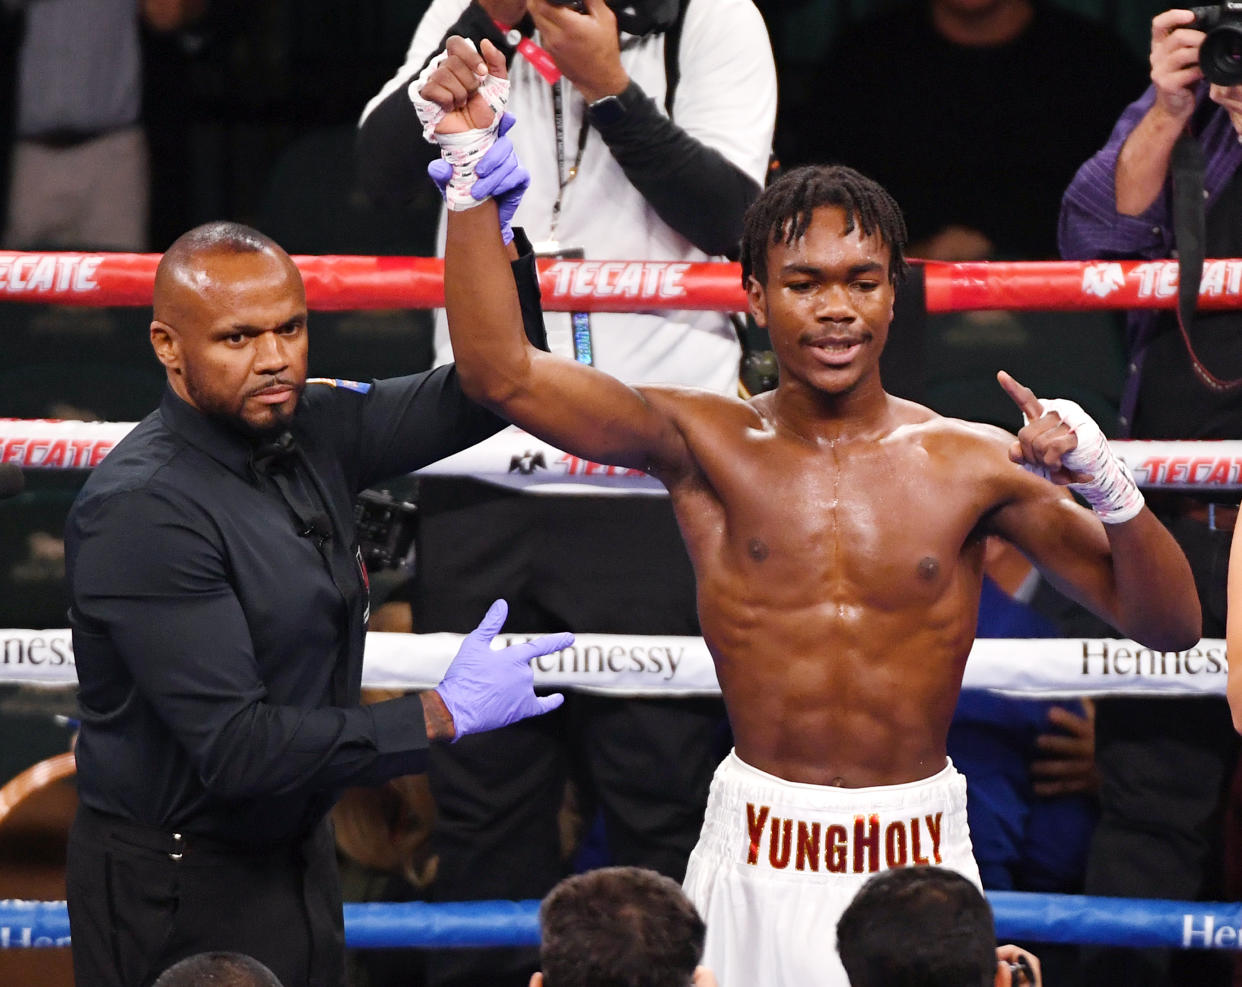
x: 783, y: 212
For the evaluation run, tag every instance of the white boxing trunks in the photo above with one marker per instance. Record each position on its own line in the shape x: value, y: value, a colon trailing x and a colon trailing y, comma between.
x: 778, y: 861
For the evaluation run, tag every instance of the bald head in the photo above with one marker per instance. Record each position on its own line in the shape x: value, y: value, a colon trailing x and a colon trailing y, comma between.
x: 182, y: 267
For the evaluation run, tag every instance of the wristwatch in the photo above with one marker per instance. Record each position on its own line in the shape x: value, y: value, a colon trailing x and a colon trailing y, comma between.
x: 609, y: 110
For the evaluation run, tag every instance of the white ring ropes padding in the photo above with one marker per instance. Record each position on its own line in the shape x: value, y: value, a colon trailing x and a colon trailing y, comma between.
x: 515, y: 458
x: 654, y: 666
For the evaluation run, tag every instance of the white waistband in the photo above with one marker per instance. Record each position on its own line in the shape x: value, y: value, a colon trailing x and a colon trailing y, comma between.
x: 736, y: 781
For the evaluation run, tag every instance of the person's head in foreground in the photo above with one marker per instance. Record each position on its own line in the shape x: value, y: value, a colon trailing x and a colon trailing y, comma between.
x: 217, y: 969
x: 925, y: 927
x: 620, y: 927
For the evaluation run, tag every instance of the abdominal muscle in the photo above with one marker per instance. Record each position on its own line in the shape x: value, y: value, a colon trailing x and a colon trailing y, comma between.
x: 855, y: 701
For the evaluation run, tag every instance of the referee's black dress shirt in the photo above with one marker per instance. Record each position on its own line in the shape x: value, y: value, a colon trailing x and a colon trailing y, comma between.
x: 218, y: 662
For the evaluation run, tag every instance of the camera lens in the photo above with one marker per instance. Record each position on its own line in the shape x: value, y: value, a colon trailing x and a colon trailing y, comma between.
x: 1221, y: 55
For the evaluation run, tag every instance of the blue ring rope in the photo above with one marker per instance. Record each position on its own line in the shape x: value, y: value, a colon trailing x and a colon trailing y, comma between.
x: 1022, y: 916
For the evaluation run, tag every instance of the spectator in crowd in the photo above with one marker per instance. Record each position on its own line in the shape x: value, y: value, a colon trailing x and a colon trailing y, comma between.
x: 840, y: 664
x: 927, y: 926
x: 219, y: 606
x: 79, y: 171
x: 1166, y: 763
x: 620, y: 927
x: 650, y: 147
x: 217, y: 970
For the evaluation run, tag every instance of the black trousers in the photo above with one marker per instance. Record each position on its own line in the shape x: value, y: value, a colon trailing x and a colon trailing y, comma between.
x: 1165, y: 768
x: 582, y: 563
x: 135, y: 909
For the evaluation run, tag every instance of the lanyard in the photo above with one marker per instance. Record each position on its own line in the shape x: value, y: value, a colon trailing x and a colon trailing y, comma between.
x: 537, y: 57
x: 584, y: 350
x: 563, y: 178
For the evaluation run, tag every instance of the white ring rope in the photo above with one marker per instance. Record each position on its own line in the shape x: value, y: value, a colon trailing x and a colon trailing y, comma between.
x: 662, y: 666
x: 514, y: 457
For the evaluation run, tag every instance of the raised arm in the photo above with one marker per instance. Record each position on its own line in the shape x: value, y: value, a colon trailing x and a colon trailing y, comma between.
x: 1143, y: 164
x: 1121, y: 562
x: 575, y: 407
x: 389, y: 141
x: 1119, y: 202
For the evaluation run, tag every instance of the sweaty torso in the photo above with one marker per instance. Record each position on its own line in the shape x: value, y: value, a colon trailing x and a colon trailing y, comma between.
x: 838, y: 584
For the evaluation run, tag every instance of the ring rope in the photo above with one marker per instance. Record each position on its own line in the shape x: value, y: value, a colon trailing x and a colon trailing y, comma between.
x: 336, y: 282
x: 1024, y: 916
x: 517, y: 458
x: 663, y: 666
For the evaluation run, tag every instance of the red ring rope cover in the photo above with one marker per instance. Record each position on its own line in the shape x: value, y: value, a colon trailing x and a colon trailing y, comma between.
x: 355, y: 282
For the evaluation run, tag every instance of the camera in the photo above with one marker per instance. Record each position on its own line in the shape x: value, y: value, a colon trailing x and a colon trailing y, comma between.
x: 386, y: 529
x: 577, y: 5
x: 1220, y: 55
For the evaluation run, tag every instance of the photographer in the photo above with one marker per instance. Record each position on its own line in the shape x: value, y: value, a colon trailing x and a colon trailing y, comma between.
x: 649, y: 145
x: 1165, y: 764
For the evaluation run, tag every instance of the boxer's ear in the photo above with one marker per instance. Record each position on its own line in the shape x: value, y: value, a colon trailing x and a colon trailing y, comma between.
x: 757, y: 301
x: 536, y: 979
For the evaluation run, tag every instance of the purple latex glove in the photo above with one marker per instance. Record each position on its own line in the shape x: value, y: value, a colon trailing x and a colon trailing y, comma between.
x: 485, y: 689
x: 499, y: 175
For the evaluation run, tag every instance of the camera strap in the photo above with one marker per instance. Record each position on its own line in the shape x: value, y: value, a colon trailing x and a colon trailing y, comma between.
x: 1190, y: 233
x: 526, y: 47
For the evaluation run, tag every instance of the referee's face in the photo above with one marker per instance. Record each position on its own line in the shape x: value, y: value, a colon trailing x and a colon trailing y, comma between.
x: 241, y: 339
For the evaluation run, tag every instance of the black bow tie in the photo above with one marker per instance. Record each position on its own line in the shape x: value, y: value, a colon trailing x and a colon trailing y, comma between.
x: 279, y: 454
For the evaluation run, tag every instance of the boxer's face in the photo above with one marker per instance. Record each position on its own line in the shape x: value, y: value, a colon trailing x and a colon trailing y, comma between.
x: 238, y: 349
x: 827, y: 303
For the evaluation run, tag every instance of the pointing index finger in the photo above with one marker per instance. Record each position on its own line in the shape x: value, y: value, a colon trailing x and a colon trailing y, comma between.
x: 1021, y: 395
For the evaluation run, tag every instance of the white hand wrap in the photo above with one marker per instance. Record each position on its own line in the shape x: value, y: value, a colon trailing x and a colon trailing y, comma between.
x: 1111, y: 491
x: 461, y: 150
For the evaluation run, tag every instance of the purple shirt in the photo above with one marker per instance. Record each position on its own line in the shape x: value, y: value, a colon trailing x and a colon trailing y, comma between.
x: 1090, y: 227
